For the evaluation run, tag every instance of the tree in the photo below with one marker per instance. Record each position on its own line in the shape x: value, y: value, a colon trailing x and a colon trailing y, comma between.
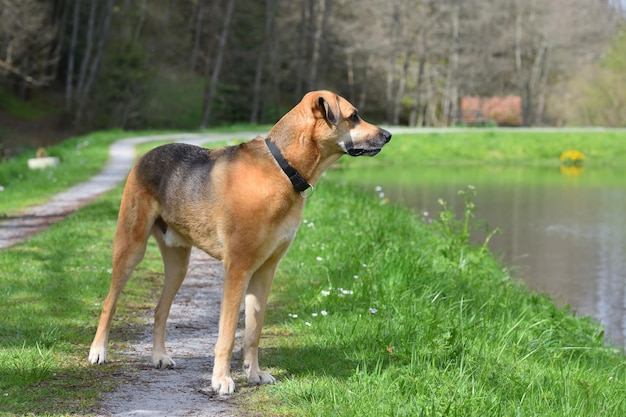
x: 598, y: 95
x: 212, y: 83
x: 130, y: 63
x: 27, y: 44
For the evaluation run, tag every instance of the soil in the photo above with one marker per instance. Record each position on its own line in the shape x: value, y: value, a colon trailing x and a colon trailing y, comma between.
x: 193, y: 322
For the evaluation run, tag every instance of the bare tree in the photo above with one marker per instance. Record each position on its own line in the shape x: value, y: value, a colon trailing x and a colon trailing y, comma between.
x: 198, y: 18
x: 27, y: 43
x: 404, y: 60
x: 71, y: 56
x: 265, y: 50
x: 321, y: 27
x: 212, y: 83
x: 85, y: 88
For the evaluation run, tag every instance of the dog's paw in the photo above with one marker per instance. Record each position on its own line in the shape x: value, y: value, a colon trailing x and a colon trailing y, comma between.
x: 223, y: 386
x: 260, y: 378
x: 97, y: 355
x: 161, y: 361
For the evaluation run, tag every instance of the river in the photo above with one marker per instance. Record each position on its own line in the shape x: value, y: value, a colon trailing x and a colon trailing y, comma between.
x: 562, y: 231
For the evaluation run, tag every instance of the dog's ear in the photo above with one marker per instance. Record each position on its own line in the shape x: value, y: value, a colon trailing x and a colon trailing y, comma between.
x: 331, y: 112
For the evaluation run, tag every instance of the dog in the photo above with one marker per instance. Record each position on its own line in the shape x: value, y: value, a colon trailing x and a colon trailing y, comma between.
x: 240, y: 204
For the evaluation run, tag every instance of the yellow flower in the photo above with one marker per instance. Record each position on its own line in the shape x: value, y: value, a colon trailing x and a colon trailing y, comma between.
x: 572, y: 157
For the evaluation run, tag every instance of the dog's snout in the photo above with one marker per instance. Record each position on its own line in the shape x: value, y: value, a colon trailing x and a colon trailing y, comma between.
x: 386, y: 134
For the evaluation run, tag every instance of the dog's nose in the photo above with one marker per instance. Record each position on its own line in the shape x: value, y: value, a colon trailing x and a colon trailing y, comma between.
x: 386, y: 135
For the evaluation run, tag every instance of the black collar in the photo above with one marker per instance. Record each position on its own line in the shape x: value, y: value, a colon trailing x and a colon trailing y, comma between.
x: 298, y: 182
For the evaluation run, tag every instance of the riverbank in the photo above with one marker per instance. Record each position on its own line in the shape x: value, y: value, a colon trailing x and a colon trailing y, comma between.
x: 377, y: 313
x: 372, y: 310
x: 540, y: 147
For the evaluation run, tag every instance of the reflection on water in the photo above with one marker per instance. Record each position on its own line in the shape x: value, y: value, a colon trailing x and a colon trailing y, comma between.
x: 563, y: 235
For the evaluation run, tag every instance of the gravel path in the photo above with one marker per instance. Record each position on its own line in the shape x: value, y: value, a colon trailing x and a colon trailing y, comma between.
x: 191, y: 335
x: 193, y: 321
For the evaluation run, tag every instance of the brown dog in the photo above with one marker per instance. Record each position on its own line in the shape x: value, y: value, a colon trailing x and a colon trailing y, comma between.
x: 240, y: 204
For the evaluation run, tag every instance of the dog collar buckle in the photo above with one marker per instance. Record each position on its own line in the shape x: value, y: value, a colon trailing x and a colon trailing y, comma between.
x: 306, y: 194
x: 297, y: 180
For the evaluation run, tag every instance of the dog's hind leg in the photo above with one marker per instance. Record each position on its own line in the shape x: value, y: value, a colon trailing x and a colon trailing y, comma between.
x: 175, y: 262
x: 129, y: 246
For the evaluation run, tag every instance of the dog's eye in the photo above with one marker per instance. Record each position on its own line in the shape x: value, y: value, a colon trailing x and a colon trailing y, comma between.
x: 354, y: 117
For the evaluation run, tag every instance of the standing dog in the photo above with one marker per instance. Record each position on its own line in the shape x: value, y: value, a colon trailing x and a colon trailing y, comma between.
x: 240, y: 204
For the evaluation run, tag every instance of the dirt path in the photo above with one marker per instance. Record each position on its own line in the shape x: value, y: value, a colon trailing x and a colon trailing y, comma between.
x: 191, y: 335
x: 193, y: 321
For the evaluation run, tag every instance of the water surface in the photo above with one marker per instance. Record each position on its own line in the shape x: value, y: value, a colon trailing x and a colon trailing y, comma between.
x: 563, y: 233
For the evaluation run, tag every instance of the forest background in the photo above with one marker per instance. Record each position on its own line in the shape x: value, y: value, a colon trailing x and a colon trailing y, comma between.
x: 69, y: 66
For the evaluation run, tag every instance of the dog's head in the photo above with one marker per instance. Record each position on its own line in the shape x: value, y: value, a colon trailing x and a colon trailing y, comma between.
x: 339, y: 126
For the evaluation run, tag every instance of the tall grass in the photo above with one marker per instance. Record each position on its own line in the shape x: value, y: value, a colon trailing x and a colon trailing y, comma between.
x: 377, y: 313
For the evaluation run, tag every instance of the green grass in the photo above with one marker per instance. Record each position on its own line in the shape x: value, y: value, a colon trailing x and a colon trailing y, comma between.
x: 451, y: 334
x: 500, y: 147
x: 81, y: 158
x: 51, y: 294
x: 416, y: 323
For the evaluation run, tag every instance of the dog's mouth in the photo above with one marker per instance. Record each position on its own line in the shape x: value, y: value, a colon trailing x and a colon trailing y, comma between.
x: 363, y: 152
x: 366, y: 148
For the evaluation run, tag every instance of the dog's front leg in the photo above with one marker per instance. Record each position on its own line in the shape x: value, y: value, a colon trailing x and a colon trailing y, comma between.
x: 256, y: 300
x: 235, y: 282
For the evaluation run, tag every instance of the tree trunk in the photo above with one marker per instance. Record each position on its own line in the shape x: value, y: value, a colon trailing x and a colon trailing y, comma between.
x: 451, y: 95
x: 318, y: 39
x: 197, y: 32
x: 391, y: 65
x: 142, y: 18
x: 270, y: 11
x: 95, y: 64
x: 363, y: 94
x: 70, y: 58
x: 401, y: 87
x: 274, y: 49
x: 350, y: 73
x: 532, y: 86
x: 87, y: 53
x: 415, y: 111
x: 60, y: 41
x: 302, y: 49
x: 212, y: 87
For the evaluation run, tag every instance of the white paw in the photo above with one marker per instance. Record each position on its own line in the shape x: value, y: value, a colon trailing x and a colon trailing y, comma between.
x: 161, y: 360
x: 223, y: 386
x: 97, y: 355
x: 260, y: 378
